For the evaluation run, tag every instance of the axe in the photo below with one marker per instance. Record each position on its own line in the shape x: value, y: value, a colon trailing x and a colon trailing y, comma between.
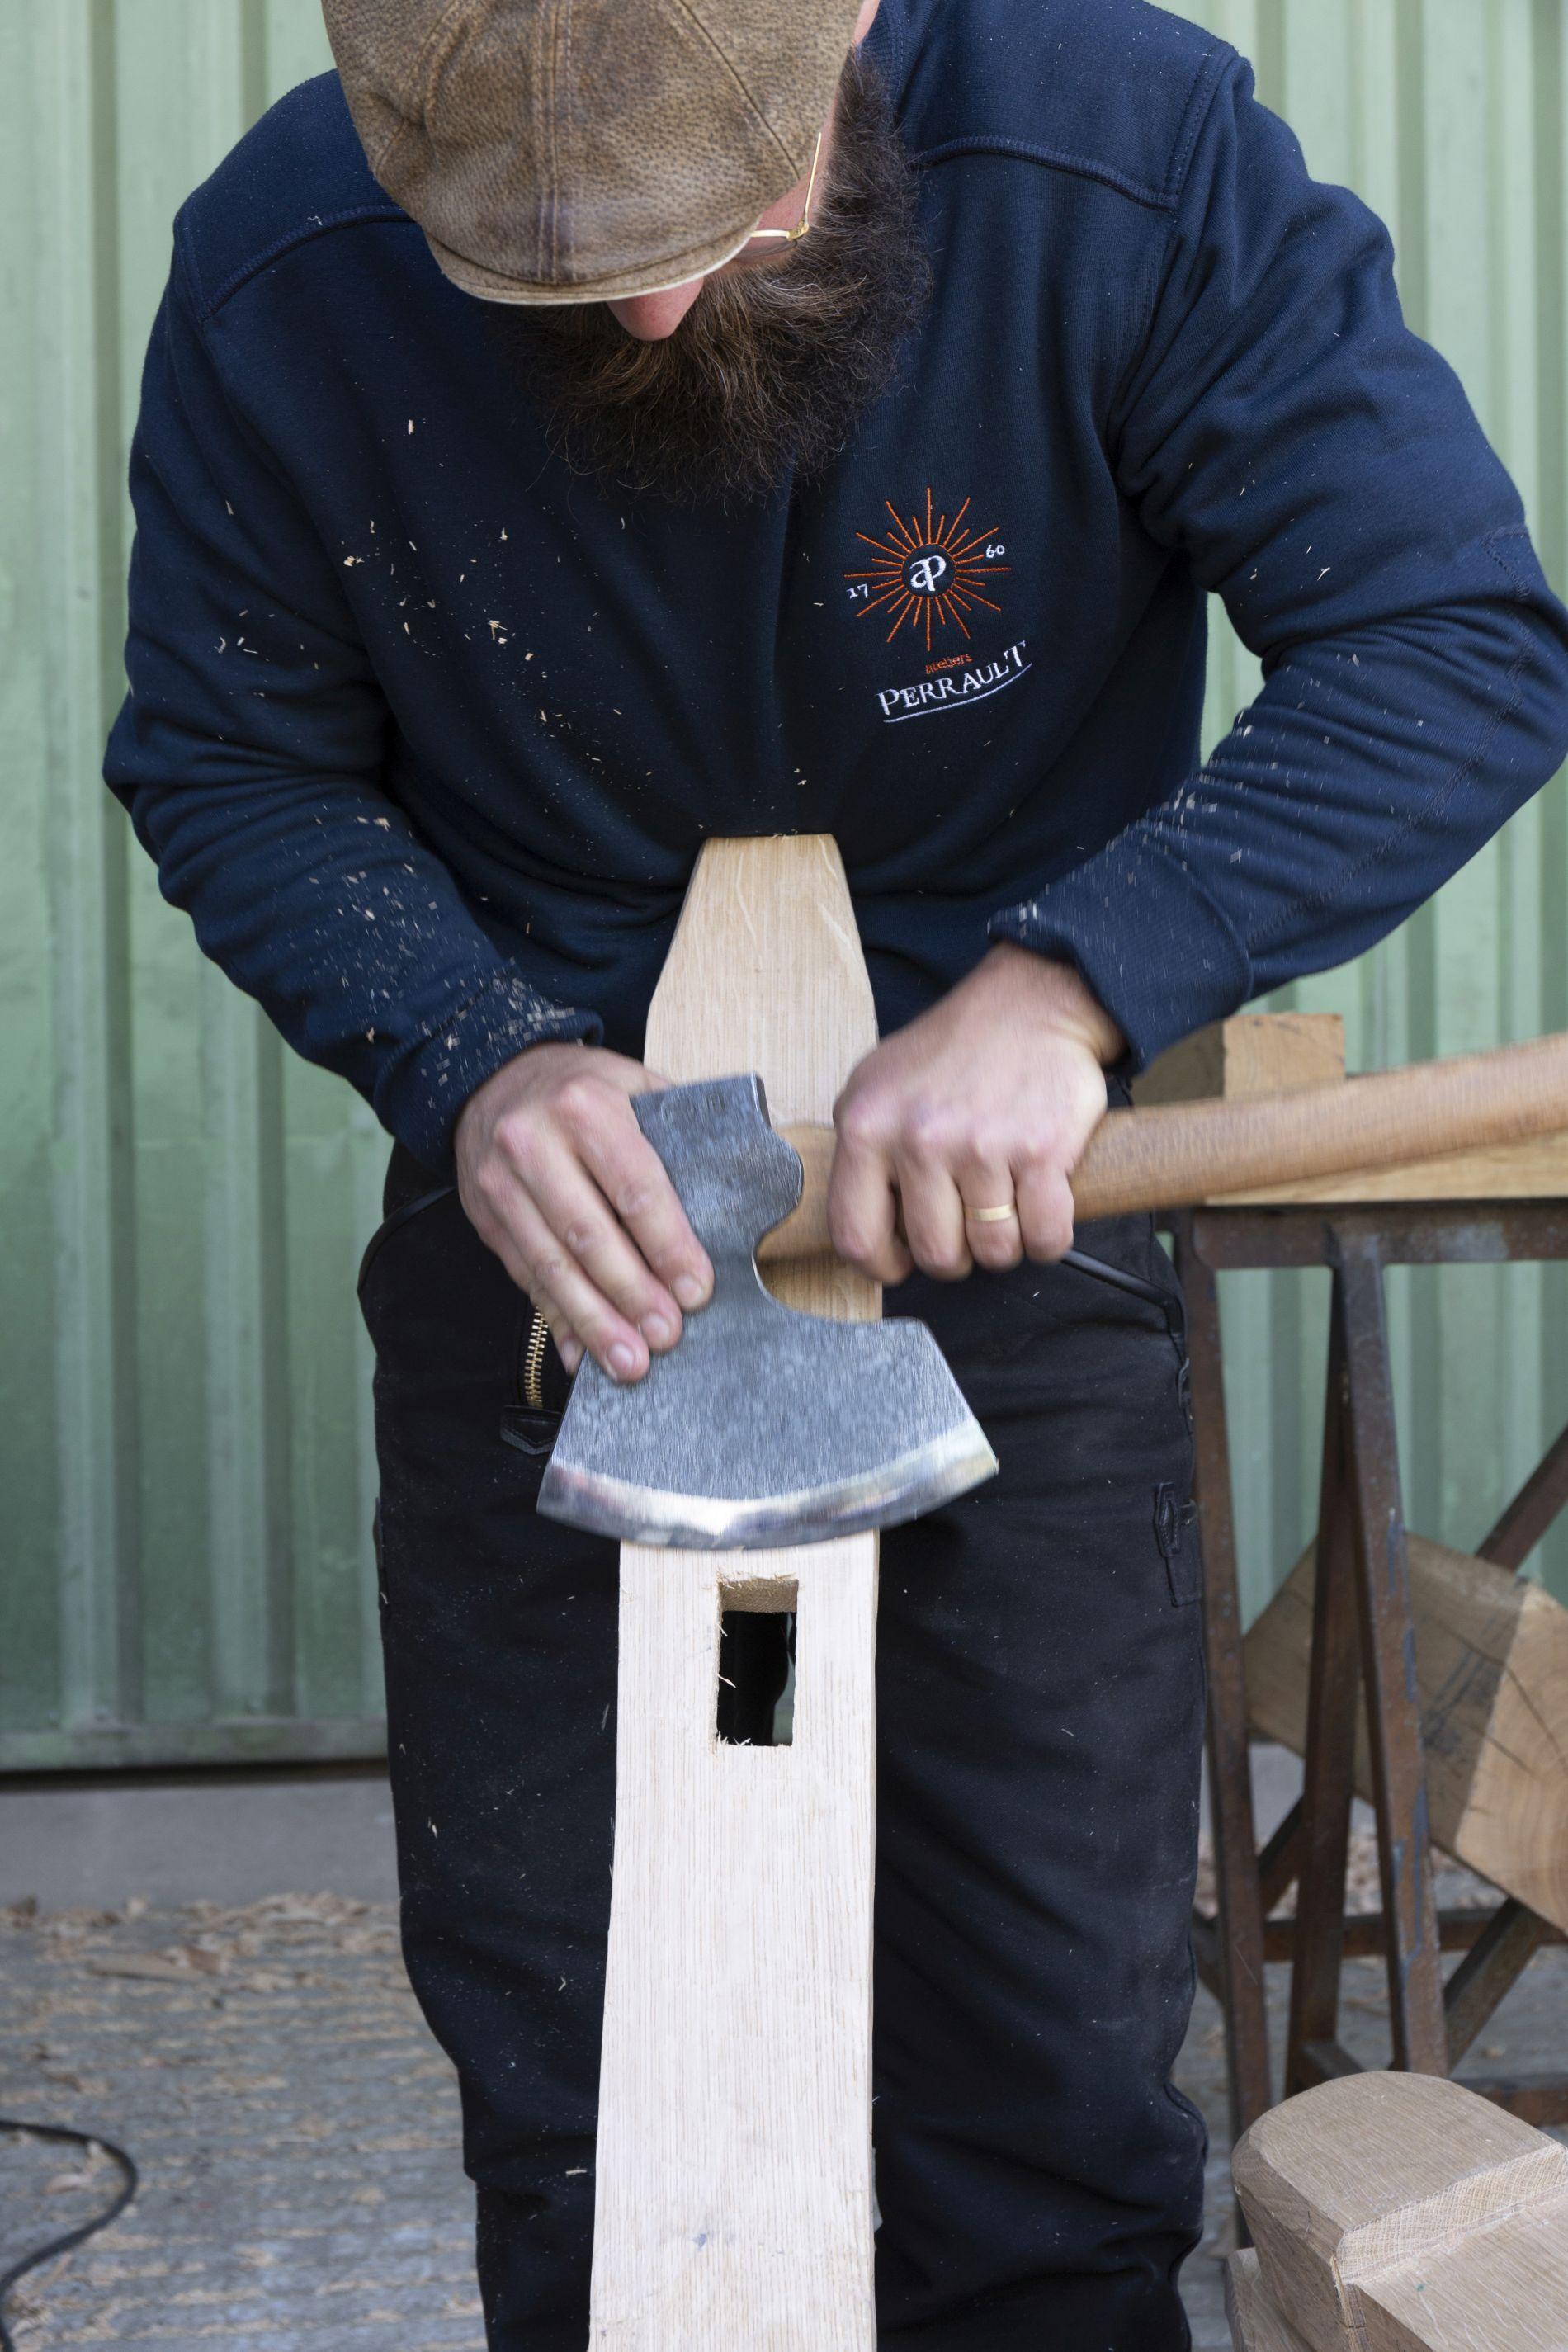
x: 767, y: 1426
x: 734, y: 2197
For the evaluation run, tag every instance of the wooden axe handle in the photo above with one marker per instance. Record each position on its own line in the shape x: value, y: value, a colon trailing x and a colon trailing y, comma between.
x: 1181, y: 1153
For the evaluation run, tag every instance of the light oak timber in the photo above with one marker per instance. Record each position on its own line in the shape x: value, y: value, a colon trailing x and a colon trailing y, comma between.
x: 1504, y: 2287
x: 1491, y: 1663
x: 1251, y: 1054
x: 1535, y: 1170
x: 1255, y: 2324
x: 733, y: 2194
x: 1401, y: 2213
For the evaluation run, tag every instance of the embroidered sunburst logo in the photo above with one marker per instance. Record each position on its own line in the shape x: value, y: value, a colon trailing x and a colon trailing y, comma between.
x: 928, y: 573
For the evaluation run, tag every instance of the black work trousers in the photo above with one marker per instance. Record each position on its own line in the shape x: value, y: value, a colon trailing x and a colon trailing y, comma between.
x: 1040, y: 1700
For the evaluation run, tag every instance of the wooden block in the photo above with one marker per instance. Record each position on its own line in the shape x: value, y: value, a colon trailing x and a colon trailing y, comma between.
x: 1250, y: 1054
x: 1504, y: 2287
x: 1491, y: 1662
x: 1401, y: 2213
x: 733, y: 2192
x: 1255, y: 2324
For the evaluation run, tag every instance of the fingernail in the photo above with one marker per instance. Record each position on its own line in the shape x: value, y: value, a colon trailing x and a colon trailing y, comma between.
x: 689, y: 1290
x: 656, y: 1331
x: 623, y: 1359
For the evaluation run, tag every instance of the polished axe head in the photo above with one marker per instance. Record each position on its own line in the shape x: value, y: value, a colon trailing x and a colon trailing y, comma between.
x: 763, y: 1427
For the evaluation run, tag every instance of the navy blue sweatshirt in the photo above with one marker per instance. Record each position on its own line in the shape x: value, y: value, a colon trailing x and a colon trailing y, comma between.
x: 426, y: 733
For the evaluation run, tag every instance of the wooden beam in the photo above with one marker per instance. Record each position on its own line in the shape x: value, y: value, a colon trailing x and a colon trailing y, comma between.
x: 1536, y: 2098
x: 1255, y: 2324
x: 1402, y: 2213
x: 1491, y: 1663
x: 733, y: 2192
x: 1505, y: 2287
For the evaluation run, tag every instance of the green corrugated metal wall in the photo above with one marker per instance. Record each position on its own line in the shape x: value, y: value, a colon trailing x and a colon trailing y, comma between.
x: 1448, y: 116
x: 185, y: 1478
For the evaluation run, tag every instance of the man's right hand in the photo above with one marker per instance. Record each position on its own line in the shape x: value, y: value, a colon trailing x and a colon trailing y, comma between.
x: 559, y: 1179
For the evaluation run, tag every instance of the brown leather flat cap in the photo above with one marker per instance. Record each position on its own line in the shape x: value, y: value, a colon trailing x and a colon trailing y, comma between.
x: 570, y: 150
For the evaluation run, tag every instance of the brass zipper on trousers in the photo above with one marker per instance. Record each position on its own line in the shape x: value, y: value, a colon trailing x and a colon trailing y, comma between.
x: 534, y: 1363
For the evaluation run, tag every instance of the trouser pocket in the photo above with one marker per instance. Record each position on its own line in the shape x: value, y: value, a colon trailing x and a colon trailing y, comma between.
x: 394, y: 1222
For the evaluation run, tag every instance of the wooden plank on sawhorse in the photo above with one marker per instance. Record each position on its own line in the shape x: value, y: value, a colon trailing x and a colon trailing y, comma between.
x: 733, y: 2194
x: 1249, y: 1055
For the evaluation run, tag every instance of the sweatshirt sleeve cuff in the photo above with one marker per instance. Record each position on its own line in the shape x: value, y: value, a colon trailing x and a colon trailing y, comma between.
x: 1147, y: 939
x: 421, y: 1097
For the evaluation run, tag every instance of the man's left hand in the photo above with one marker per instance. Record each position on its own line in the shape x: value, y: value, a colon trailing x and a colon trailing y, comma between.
x: 984, y: 1102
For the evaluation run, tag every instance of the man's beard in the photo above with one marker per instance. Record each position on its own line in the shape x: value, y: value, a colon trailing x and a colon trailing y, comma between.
x: 771, y: 368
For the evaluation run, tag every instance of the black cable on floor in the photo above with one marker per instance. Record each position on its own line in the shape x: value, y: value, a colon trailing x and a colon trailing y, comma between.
x: 70, y: 2238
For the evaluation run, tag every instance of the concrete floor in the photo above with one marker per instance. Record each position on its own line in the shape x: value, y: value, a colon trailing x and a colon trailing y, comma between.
x: 236, y: 1837
x: 295, y: 2128
x: 260, y: 2054
x: 230, y: 1839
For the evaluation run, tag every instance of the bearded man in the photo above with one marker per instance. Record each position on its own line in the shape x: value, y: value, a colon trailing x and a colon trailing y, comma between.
x: 581, y: 428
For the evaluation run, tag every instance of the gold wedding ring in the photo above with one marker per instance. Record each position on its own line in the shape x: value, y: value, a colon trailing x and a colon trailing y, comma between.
x: 992, y: 1216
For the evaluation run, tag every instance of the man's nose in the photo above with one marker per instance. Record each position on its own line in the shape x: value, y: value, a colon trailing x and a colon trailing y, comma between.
x: 651, y: 317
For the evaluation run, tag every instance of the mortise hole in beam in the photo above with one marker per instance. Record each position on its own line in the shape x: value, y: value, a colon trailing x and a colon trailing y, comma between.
x: 755, y: 1706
